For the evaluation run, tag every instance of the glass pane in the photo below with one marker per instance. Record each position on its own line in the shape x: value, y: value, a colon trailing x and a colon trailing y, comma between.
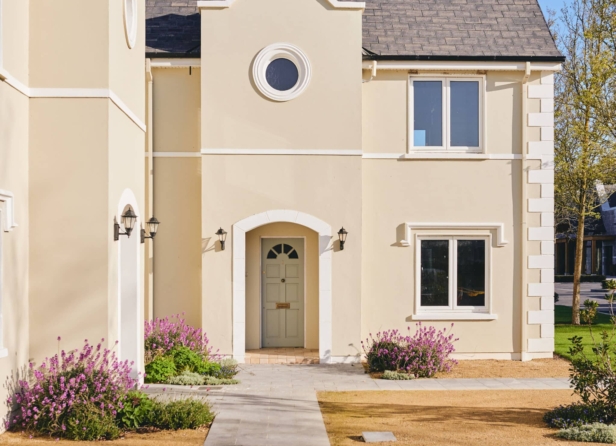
x: 464, y: 114
x: 282, y: 74
x: 293, y: 255
x: 427, y: 113
x: 278, y: 249
x: 287, y: 249
x: 272, y: 255
x: 472, y: 273
x: 434, y: 273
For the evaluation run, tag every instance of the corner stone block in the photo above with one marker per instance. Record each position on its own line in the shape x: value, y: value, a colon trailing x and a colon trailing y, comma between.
x: 541, y: 345
x: 547, y: 191
x: 541, y: 205
x: 541, y: 317
x: 547, y: 78
x: 535, y: 234
x: 547, y: 331
x: 547, y: 303
x: 540, y: 119
x: 541, y: 147
x: 547, y: 105
x: 547, y: 133
x: 547, y: 220
x: 541, y: 91
x: 547, y: 248
x: 541, y: 289
x: 541, y: 176
x: 540, y: 262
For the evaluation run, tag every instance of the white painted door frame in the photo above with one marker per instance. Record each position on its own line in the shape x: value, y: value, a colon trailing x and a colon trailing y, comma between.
x: 239, y: 276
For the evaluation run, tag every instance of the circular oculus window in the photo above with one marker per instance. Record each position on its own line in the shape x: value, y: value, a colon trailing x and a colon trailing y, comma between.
x: 281, y: 72
x: 130, y: 21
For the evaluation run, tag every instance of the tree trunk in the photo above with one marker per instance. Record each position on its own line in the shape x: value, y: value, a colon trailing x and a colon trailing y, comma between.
x: 577, y: 271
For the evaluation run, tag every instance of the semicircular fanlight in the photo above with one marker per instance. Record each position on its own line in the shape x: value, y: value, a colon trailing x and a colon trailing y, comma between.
x: 280, y: 249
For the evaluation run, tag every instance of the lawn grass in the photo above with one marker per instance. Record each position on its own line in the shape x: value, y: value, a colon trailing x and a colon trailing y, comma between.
x: 564, y: 330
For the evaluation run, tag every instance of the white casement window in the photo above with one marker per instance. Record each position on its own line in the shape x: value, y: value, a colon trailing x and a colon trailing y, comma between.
x: 446, y: 114
x: 453, y: 274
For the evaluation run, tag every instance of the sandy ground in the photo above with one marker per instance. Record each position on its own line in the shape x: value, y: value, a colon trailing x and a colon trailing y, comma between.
x: 537, y: 368
x: 163, y: 438
x: 510, y: 417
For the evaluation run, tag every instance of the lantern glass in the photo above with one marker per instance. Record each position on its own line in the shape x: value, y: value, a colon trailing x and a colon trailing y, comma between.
x: 222, y: 235
x: 342, y: 235
x: 153, y: 226
x: 128, y: 220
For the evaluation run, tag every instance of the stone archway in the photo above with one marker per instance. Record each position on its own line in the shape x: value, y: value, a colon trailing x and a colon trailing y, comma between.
x: 239, y: 276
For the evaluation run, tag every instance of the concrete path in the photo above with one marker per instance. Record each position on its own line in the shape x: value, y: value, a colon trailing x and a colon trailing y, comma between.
x: 277, y: 404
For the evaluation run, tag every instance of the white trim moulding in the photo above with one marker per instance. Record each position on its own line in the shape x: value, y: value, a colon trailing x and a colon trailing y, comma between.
x: 9, y: 213
x: 175, y: 63
x: 459, y: 66
x: 281, y: 152
x: 334, y: 4
x: 499, y: 227
x: 175, y: 154
x: 66, y: 93
x: 453, y: 316
x: 459, y: 156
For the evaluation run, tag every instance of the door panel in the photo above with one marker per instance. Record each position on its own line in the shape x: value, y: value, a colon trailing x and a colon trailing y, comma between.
x: 282, y: 292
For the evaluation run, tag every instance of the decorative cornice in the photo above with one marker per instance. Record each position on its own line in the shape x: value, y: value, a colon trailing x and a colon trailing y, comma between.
x: 499, y: 227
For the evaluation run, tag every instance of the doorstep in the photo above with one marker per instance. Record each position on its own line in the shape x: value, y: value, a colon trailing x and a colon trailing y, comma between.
x: 282, y: 356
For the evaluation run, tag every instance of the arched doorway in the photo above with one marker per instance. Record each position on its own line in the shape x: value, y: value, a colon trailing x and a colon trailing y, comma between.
x: 130, y: 300
x: 325, y: 276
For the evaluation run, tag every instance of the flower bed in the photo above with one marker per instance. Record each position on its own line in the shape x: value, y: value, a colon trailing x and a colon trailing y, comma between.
x: 176, y: 353
x: 421, y: 355
x: 90, y: 395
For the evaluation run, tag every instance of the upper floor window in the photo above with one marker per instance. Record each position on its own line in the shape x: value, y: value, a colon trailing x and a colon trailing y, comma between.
x: 446, y: 114
x: 130, y: 21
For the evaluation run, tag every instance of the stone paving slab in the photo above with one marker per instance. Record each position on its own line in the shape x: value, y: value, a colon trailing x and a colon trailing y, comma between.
x: 276, y: 405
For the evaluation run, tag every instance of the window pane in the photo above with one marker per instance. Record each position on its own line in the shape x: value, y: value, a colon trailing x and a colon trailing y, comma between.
x: 428, y: 113
x: 434, y: 273
x: 464, y: 113
x: 471, y: 273
x: 282, y: 74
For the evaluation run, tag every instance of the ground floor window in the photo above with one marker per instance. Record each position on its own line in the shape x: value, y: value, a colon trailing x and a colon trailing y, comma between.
x: 453, y: 273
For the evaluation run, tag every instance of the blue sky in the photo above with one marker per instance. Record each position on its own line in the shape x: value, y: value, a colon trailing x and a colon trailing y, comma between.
x: 556, y: 5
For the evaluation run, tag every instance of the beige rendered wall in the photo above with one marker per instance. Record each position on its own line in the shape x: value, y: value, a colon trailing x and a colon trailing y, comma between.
x: 15, y: 38
x: 396, y: 192
x: 326, y: 187
x: 177, y: 194
x: 327, y: 115
x: 14, y: 258
x: 253, y: 280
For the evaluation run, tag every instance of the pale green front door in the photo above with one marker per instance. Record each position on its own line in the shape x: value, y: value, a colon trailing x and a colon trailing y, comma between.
x: 282, y: 293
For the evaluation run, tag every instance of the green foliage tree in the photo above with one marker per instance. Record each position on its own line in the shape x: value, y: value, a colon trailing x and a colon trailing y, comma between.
x: 585, y: 117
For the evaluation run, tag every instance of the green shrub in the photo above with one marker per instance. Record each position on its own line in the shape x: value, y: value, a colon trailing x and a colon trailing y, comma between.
x: 187, y: 360
x: 228, y: 369
x: 187, y: 379
x: 135, y: 410
x: 189, y: 413
x: 609, y: 284
x: 591, y: 433
x: 576, y: 415
x: 88, y: 422
x: 556, y: 297
x: 160, y: 370
x: 584, y: 278
x: 213, y: 381
x: 396, y: 376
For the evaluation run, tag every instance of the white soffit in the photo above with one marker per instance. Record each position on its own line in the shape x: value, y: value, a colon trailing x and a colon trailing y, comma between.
x: 217, y: 4
x: 459, y: 66
x: 174, y: 63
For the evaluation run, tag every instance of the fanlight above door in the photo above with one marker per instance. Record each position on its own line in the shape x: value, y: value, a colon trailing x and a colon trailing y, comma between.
x: 282, y: 248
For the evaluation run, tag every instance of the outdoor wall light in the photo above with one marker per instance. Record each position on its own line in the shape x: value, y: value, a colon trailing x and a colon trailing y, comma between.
x: 128, y: 220
x: 342, y: 235
x: 222, y: 237
x: 152, y: 225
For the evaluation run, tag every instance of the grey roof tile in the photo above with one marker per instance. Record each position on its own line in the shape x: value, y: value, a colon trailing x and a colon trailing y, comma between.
x: 401, y: 28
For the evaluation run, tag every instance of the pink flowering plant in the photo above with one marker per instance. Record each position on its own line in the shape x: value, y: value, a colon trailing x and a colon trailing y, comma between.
x: 163, y: 335
x: 75, y: 395
x: 421, y: 354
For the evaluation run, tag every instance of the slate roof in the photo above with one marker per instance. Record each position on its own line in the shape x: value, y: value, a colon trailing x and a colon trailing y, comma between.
x: 396, y: 29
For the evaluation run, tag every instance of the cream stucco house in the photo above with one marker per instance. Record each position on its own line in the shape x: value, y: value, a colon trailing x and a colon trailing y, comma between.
x: 423, y: 128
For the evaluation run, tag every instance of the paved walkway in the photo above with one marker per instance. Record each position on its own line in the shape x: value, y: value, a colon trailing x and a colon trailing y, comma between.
x: 277, y: 404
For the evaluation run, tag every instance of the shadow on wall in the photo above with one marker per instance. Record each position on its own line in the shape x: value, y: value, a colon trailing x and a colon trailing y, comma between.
x: 174, y: 33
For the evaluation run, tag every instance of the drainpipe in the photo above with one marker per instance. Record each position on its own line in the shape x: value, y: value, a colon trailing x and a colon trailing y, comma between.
x: 149, y: 175
x: 372, y: 73
x: 524, y: 356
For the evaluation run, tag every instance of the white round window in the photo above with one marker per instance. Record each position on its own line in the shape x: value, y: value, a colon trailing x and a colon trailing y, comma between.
x: 281, y: 72
x: 130, y: 21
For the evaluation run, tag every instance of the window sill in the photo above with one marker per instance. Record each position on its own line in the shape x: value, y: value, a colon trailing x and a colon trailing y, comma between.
x: 454, y: 317
x: 4, y: 352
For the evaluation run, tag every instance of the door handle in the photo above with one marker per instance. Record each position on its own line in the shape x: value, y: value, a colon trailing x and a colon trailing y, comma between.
x: 283, y: 280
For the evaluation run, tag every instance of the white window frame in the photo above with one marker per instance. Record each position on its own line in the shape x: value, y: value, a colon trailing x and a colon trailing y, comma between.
x: 446, y: 97
x: 453, y: 308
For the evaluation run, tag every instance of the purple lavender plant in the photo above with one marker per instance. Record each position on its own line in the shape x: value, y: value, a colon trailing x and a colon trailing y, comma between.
x: 422, y: 354
x: 73, y: 395
x: 162, y: 335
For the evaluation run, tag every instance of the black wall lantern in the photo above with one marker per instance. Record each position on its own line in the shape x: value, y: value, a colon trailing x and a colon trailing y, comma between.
x: 152, y: 225
x: 128, y: 220
x: 222, y: 238
x: 342, y: 235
